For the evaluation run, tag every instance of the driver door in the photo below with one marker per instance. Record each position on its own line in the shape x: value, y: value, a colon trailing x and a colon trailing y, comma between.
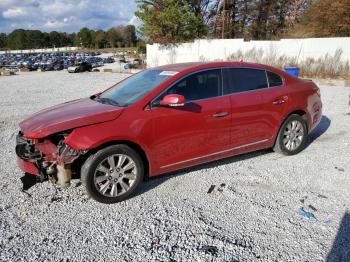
x: 190, y: 133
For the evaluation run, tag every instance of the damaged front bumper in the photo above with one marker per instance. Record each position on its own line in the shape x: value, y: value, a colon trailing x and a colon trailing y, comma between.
x: 48, y: 158
x: 27, y: 167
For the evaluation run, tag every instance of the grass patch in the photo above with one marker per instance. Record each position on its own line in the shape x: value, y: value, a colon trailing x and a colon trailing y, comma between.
x: 327, y: 66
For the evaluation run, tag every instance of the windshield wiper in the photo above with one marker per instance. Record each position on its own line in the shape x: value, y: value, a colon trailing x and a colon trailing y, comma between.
x: 106, y: 100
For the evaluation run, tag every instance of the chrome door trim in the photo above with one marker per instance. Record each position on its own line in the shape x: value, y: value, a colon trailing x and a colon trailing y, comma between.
x: 216, y: 153
x: 152, y: 106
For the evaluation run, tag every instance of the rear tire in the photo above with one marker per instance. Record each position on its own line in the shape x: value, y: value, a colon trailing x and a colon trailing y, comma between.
x: 112, y: 174
x: 292, y: 136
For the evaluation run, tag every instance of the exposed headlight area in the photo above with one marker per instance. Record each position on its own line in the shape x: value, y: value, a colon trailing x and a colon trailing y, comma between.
x: 51, y: 155
x: 25, y: 148
x: 67, y: 153
x: 66, y: 150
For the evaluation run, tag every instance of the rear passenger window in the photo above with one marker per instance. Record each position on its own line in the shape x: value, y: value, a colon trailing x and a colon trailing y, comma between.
x: 198, y: 86
x: 274, y: 79
x: 243, y: 79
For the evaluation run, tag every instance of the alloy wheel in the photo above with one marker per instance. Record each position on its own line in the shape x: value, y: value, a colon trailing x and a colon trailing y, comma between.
x: 293, y: 135
x: 115, y: 175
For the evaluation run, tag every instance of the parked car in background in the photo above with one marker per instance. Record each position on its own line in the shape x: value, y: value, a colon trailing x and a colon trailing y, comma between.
x: 168, y: 118
x: 108, y: 60
x: 58, y: 67
x: 80, y: 67
x: 51, y: 61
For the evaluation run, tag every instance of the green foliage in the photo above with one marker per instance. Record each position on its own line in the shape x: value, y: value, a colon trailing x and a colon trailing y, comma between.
x: 141, y: 47
x: 2, y: 40
x: 100, y: 39
x: 254, y: 19
x: 130, y: 35
x: 121, y: 36
x: 114, y: 37
x: 17, y: 39
x: 29, y: 39
x: 176, y: 21
x: 84, y: 37
x: 170, y: 21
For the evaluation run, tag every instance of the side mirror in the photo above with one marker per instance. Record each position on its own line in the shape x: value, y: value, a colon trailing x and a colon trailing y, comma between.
x: 173, y: 100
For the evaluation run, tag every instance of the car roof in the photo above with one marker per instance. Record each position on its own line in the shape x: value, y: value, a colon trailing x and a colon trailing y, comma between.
x: 205, y: 65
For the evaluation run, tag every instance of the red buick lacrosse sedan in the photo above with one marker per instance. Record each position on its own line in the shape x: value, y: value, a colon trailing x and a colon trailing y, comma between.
x: 167, y: 118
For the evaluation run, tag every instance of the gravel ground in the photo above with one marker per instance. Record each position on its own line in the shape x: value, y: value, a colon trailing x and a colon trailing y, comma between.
x: 256, y: 216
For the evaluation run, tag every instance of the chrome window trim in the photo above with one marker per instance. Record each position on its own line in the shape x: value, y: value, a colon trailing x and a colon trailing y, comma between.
x: 222, y: 84
x: 215, y: 153
x: 267, y: 79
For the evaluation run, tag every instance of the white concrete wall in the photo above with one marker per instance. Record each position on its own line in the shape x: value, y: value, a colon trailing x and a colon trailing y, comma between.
x: 44, y: 50
x: 221, y: 49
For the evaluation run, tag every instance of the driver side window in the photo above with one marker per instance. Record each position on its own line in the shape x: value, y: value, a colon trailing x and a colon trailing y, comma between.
x: 201, y: 85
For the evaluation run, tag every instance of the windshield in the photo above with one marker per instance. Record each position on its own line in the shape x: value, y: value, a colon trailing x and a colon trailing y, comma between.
x: 134, y: 88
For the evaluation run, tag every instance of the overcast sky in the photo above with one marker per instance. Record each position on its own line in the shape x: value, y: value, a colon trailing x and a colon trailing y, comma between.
x: 65, y: 15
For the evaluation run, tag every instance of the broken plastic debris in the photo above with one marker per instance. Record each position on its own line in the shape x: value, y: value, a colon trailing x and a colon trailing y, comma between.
x: 156, y: 241
x: 312, y: 207
x: 55, y: 199
x: 307, y: 214
x: 302, y: 200
x: 321, y: 196
x: 211, y: 188
x: 328, y: 221
x: 209, y: 249
x: 339, y: 169
x: 221, y: 188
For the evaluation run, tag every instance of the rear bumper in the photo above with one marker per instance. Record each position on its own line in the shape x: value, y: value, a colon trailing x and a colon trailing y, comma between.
x: 28, y: 167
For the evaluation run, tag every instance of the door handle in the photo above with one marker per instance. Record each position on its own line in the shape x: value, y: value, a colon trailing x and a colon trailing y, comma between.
x: 222, y: 114
x: 278, y: 102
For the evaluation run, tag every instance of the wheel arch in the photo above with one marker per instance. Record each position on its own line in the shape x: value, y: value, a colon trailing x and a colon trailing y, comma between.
x: 299, y: 112
x: 145, y: 159
x: 277, y: 143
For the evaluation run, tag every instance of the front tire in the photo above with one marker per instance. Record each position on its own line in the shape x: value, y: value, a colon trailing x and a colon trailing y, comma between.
x: 112, y: 174
x: 292, y: 136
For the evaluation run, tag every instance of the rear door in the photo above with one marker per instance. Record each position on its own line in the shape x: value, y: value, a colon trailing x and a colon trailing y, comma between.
x: 248, y: 90
x: 276, y: 100
x: 201, y: 127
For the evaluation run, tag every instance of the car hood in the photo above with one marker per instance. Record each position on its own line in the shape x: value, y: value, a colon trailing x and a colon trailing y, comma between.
x: 77, y: 113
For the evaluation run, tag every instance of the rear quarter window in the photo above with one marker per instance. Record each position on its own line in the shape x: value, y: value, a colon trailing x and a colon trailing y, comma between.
x: 274, y: 79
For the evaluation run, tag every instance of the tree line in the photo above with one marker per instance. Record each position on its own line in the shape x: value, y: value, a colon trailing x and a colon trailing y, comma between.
x: 120, y: 36
x: 174, y: 21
